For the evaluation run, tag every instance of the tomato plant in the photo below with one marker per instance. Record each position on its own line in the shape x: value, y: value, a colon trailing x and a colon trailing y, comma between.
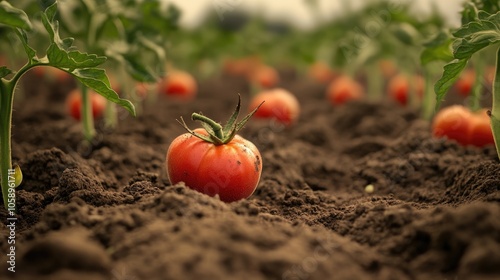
x: 280, y: 105
x: 344, y: 89
x: 214, y: 160
x: 179, y: 84
x: 60, y: 54
x: 74, y: 104
x: 479, y: 30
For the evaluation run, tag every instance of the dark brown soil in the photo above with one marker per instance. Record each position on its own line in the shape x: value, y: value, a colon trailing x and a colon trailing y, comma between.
x: 107, y: 211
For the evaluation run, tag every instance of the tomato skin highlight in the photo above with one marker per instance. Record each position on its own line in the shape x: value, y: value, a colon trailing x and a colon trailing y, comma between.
x: 399, y: 88
x: 74, y: 104
x: 180, y: 85
x: 279, y: 104
x: 344, y: 89
x: 453, y: 122
x: 480, y: 133
x: 231, y: 170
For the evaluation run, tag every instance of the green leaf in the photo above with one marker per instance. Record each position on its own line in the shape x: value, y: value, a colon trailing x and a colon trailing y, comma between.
x: 97, y: 80
x: 14, y: 17
x: 437, y: 49
x: 4, y: 71
x: 451, y: 73
x: 60, y: 52
x: 470, y: 13
x: 137, y: 70
x: 465, y: 48
x: 72, y: 59
x: 406, y: 33
x: 30, y: 52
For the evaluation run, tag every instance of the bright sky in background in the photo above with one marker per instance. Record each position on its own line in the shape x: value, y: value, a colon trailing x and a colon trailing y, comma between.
x: 298, y: 13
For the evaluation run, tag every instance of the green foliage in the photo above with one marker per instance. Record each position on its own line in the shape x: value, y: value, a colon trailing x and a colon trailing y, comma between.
x: 481, y: 29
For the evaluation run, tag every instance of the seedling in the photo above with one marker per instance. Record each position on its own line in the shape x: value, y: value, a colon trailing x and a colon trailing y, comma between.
x: 60, y: 54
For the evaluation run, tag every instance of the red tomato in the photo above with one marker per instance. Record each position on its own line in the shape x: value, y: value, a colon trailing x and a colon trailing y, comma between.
x: 179, y: 84
x: 453, y: 122
x: 465, y: 83
x: 279, y: 104
x: 230, y: 170
x: 264, y: 76
x: 480, y: 133
x: 399, y: 86
x: 321, y: 72
x: 74, y: 104
x: 344, y: 89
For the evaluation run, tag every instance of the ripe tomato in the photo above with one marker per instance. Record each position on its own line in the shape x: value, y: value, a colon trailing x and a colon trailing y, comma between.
x: 453, y: 122
x: 465, y: 83
x: 399, y: 87
x: 230, y: 170
x: 321, y: 72
x: 344, y: 89
x: 74, y: 104
x: 179, y: 84
x: 480, y: 133
x: 279, y: 104
x: 264, y: 76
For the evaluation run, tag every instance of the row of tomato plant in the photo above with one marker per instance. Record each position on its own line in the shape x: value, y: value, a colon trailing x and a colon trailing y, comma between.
x: 383, y: 47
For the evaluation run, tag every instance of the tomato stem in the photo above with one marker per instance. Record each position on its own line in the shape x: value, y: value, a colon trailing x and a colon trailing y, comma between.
x: 218, y: 134
x: 429, y: 100
x: 87, y: 117
x: 495, y: 110
x: 475, y: 97
x: 217, y: 128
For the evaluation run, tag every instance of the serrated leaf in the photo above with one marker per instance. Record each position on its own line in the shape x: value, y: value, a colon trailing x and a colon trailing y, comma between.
x: 30, y: 52
x: 97, y: 80
x: 470, y: 13
x: 465, y: 48
x: 72, y: 59
x: 451, y: 73
x: 474, y: 27
x: 14, y: 17
x: 4, y: 71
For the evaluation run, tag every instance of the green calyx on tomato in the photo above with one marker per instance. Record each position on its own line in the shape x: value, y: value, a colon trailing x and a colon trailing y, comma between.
x: 217, y: 134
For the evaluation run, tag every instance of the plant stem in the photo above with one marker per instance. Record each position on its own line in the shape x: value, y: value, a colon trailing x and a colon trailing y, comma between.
x: 374, y: 82
x: 215, y: 126
x: 87, y: 117
x: 495, y: 110
x: 6, y: 100
x: 429, y: 100
x: 110, y: 117
x: 475, y: 97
